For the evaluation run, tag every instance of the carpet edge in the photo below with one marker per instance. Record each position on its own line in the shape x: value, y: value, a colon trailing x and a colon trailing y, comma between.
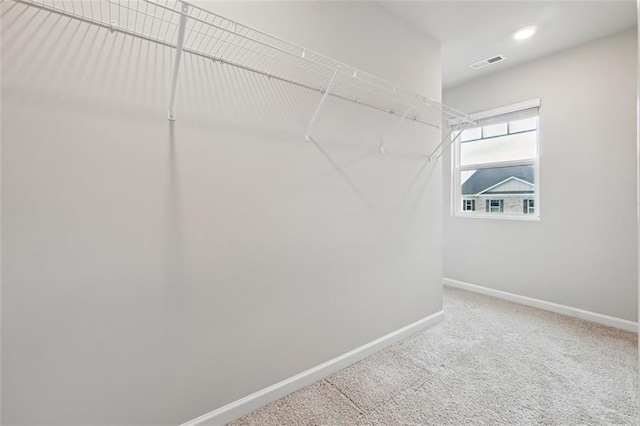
x: 607, y: 320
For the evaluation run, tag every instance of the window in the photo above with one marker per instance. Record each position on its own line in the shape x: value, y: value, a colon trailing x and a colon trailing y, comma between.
x: 468, y: 205
x: 528, y: 206
x: 495, y: 206
x: 496, y: 162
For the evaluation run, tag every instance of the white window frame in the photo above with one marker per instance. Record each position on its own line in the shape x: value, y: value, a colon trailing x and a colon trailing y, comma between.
x: 500, y: 205
x: 464, y: 205
x: 456, y: 168
x: 528, y: 207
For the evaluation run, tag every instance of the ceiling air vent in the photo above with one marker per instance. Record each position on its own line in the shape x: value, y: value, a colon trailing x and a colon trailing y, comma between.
x: 488, y: 61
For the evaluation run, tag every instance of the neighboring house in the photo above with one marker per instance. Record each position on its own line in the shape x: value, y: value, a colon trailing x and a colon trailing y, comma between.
x: 500, y: 190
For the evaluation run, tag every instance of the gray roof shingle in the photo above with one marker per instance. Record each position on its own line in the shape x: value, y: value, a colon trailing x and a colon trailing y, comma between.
x: 486, y: 178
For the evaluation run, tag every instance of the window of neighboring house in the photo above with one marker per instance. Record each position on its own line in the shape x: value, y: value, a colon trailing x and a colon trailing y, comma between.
x: 528, y: 206
x: 496, y: 160
x: 495, y: 206
x: 468, y: 205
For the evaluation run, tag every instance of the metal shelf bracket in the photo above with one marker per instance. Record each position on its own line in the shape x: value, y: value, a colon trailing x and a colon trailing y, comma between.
x: 447, y: 141
x: 171, y: 115
x: 400, y: 120
x: 307, y: 133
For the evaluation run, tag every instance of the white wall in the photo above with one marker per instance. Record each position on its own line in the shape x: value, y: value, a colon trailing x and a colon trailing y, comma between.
x: 153, y: 273
x: 583, y: 251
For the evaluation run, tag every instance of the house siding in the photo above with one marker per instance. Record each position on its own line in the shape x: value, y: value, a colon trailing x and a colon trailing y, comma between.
x: 512, y: 204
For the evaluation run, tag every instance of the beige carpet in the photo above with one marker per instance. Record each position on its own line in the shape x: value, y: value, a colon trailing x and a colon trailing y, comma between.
x: 490, y: 362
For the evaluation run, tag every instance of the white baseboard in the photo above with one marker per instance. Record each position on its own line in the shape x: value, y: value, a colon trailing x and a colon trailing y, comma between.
x: 274, y: 392
x: 547, y: 306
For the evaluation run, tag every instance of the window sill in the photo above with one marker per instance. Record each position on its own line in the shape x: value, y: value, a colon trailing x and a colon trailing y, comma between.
x: 499, y: 216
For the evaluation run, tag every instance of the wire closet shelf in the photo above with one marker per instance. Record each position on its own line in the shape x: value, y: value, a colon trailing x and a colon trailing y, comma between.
x: 188, y: 28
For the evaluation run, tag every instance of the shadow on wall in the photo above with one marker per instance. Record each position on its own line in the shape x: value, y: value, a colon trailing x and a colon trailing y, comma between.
x: 174, y: 246
x: 75, y: 66
x: 177, y: 224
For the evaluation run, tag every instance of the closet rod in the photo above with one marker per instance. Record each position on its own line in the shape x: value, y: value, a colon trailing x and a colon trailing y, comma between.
x: 219, y: 60
x: 330, y: 68
x: 243, y: 47
x: 305, y: 86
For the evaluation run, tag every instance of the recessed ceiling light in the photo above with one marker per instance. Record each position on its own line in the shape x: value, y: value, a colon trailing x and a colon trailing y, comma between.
x: 524, y: 33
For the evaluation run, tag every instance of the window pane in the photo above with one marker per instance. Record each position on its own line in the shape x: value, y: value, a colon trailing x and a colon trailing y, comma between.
x: 495, y: 206
x: 509, y: 190
x: 494, y: 130
x: 471, y: 134
x: 523, y: 125
x: 504, y: 148
x: 468, y: 205
x: 501, y: 139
